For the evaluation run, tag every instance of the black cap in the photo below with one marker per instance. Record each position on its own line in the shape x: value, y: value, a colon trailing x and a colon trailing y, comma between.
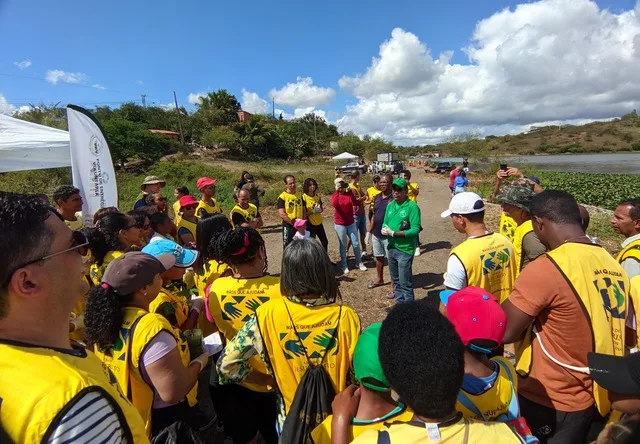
x: 620, y: 374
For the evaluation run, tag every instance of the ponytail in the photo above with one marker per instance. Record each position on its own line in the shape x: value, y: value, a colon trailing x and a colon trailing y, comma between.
x: 105, y: 238
x: 103, y: 316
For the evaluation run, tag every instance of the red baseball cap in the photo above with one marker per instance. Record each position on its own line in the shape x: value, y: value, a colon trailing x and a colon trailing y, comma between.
x: 185, y: 201
x: 204, y: 182
x: 475, y: 315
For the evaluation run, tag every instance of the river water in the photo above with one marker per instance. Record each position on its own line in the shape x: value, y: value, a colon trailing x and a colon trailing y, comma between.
x: 622, y: 163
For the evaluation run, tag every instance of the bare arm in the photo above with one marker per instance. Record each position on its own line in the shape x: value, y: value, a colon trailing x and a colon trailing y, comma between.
x: 517, y: 322
x: 283, y: 215
x: 171, y: 379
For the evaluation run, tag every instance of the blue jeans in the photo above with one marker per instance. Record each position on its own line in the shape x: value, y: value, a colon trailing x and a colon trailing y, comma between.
x: 400, y: 269
x: 348, y: 231
x: 361, y: 223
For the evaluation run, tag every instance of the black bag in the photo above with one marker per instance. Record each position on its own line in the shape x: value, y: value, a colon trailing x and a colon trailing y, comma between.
x: 312, y: 401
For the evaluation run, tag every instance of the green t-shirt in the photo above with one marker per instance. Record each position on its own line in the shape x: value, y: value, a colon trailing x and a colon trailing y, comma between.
x: 403, y: 217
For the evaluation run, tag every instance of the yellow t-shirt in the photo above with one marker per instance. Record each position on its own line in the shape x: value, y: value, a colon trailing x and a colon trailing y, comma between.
x: 372, y: 192
x: 176, y: 212
x: 292, y: 204
x: 411, y: 194
x: 77, y: 224
x: 310, y: 202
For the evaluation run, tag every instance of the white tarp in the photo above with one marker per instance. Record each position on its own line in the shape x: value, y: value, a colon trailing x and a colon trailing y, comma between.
x: 345, y: 156
x: 29, y: 146
x: 92, y: 167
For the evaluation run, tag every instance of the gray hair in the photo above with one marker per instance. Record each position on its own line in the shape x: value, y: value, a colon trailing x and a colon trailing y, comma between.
x: 307, y: 270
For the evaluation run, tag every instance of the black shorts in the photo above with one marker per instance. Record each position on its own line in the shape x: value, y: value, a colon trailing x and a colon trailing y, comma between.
x: 244, y: 413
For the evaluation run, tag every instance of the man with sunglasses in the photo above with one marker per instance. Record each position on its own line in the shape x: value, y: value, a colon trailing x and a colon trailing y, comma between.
x: 50, y: 390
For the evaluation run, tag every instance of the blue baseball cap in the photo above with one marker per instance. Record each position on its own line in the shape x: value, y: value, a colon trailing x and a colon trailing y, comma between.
x: 171, y: 254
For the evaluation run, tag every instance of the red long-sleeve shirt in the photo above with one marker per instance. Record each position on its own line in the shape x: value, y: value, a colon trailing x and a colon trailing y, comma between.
x: 343, y: 204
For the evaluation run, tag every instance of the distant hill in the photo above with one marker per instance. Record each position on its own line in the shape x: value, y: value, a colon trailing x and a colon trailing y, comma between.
x: 621, y: 134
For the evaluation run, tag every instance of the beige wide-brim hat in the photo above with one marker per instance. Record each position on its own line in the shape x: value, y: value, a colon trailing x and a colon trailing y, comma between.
x: 152, y: 180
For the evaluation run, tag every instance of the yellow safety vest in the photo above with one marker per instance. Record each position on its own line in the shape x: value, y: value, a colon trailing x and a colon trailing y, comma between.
x: 77, y: 224
x: 179, y: 303
x: 322, y: 433
x: 96, y: 272
x: 602, y: 289
x: 78, y: 310
x: 211, y: 271
x: 521, y: 231
x: 411, y: 195
x: 634, y: 293
x: 630, y: 251
x: 204, y: 208
x: 249, y: 214
x: 507, y: 226
x: 233, y: 301
x: 310, y: 202
x: 489, y: 262
x: 190, y: 226
x: 292, y: 205
x: 315, y: 326
x: 37, y: 383
x: 176, y: 211
x: 372, y: 192
x: 124, y: 359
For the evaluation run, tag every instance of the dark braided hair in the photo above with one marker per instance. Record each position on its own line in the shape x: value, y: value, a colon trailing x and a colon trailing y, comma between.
x: 105, y: 238
x: 103, y: 316
x: 207, y: 231
x: 239, y: 246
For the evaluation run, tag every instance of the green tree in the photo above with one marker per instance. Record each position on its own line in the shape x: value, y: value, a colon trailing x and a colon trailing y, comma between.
x: 351, y: 143
x: 217, y: 108
x: 129, y: 141
x: 52, y: 115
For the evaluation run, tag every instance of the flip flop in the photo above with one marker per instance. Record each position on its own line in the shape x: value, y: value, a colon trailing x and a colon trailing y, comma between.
x: 374, y: 285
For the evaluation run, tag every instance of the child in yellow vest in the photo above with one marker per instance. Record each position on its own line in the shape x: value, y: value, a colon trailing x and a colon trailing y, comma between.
x: 489, y: 388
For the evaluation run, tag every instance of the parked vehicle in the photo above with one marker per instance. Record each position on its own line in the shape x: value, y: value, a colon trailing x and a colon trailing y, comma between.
x: 440, y: 168
x: 352, y: 167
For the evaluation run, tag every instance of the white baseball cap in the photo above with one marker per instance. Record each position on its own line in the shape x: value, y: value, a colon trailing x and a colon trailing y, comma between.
x: 464, y: 203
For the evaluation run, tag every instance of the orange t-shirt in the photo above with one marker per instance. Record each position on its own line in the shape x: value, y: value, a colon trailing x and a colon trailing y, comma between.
x: 543, y: 293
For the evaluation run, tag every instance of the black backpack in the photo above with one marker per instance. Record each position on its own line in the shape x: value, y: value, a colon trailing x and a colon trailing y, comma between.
x: 314, y: 395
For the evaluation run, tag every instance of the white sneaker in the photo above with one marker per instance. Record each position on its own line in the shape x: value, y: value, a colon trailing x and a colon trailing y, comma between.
x: 417, y: 253
x: 362, y: 267
x: 346, y: 271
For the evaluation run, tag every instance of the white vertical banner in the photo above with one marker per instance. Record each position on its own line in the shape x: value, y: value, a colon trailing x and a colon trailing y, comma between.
x: 91, y: 164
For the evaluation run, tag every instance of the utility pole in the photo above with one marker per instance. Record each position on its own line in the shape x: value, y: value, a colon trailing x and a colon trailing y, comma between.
x: 144, y: 101
x: 273, y: 107
x: 175, y: 99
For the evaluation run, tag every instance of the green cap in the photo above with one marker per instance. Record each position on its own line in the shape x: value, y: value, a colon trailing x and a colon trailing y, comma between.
x: 366, y: 362
x: 517, y: 196
x: 400, y: 183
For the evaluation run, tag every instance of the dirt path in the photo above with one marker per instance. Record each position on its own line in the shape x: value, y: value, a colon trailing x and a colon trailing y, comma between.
x: 437, y: 238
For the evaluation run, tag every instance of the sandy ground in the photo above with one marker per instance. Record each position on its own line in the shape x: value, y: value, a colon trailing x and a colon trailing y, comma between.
x: 437, y: 238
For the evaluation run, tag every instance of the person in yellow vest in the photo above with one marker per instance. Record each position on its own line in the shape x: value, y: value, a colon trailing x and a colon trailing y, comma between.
x: 372, y: 192
x: 208, y: 204
x: 290, y: 208
x: 69, y: 202
x: 188, y: 221
x: 489, y: 389
x: 568, y: 302
x: 232, y: 301
x: 245, y: 214
x: 419, y: 365
x: 207, y: 268
x: 51, y: 389
x: 149, y: 360
x: 315, y: 207
x: 310, y: 304
x: 376, y: 406
x: 515, y: 201
x: 114, y: 234
x: 178, y: 193
x: 507, y: 225
x: 414, y: 191
x: 485, y: 259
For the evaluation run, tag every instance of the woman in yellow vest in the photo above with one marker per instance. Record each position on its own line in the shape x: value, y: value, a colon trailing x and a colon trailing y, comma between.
x: 207, y: 205
x: 232, y: 300
x: 309, y: 284
x: 141, y: 349
x: 114, y: 234
x: 188, y: 221
x: 206, y: 267
x: 313, y: 203
x: 143, y: 222
x: 178, y: 193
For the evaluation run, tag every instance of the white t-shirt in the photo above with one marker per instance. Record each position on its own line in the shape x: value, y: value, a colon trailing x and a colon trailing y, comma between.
x: 158, y: 348
x: 299, y: 235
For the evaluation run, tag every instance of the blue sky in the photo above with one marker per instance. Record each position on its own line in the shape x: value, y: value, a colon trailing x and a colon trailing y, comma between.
x: 144, y: 47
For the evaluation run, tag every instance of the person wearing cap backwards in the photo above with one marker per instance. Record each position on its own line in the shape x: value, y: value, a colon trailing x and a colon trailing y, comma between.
x: 150, y: 185
x: 290, y: 208
x: 376, y: 405
x: 344, y: 201
x: 515, y: 201
x: 145, y: 354
x: 425, y: 370
x: 489, y: 387
x: 188, y: 221
x: 575, y: 297
x: 50, y: 388
x: 245, y: 214
x: 207, y: 205
x: 507, y: 225
x: 484, y: 259
x: 401, y: 226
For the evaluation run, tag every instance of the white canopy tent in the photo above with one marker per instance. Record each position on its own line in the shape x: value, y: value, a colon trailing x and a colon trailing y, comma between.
x: 29, y: 146
x: 345, y: 156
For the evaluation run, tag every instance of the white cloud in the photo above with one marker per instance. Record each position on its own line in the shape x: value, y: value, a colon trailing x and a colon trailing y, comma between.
x: 285, y: 115
x: 194, y: 98
x: 253, y: 103
x: 167, y: 106
x: 54, y: 76
x: 301, y: 112
x: 23, y: 64
x: 98, y: 86
x: 140, y: 82
x: 552, y: 60
x: 5, y: 106
x: 302, y: 94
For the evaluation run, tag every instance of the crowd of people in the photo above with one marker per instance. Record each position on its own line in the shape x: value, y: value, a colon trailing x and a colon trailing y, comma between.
x: 166, y: 326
